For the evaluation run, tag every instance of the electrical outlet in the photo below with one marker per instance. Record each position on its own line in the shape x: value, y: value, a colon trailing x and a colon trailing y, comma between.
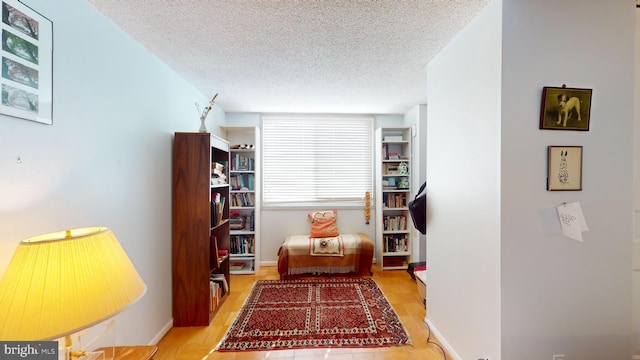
x: 558, y: 357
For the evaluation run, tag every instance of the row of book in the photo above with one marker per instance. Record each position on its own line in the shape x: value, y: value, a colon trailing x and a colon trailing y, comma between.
x: 242, y: 244
x: 241, y: 162
x: 243, y: 199
x: 395, y: 200
x: 395, y: 222
x: 218, y: 287
x: 217, y: 208
x: 241, y: 221
x: 395, y: 243
x: 242, y: 181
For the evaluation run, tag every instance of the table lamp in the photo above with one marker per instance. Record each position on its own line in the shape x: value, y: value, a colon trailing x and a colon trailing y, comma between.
x: 59, y: 283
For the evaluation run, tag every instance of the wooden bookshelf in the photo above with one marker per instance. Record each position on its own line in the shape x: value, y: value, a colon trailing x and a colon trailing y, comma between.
x: 200, y: 219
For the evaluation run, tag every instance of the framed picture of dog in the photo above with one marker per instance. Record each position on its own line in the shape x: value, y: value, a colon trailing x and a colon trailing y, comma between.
x: 564, y: 169
x: 565, y: 108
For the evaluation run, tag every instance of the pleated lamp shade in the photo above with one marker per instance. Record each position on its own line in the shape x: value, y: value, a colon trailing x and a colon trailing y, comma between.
x: 59, y: 283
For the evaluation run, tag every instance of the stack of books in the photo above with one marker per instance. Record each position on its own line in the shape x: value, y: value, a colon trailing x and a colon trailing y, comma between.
x: 218, y: 287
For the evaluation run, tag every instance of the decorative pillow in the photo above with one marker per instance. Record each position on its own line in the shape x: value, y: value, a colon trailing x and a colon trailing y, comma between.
x: 331, y: 246
x: 323, y: 224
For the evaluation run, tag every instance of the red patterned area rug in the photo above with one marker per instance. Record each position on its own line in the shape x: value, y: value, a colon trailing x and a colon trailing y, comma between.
x: 316, y: 313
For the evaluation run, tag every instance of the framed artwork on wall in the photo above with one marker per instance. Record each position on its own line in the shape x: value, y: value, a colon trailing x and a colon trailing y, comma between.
x: 564, y: 169
x: 27, y: 58
x: 565, y: 108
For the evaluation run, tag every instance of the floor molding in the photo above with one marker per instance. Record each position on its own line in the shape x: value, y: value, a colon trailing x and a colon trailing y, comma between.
x: 165, y: 329
x: 453, y: 353
x: 441, y: 339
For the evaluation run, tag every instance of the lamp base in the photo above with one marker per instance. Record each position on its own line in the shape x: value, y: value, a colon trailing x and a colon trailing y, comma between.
x: 71, y: 354
x: 74, y: 354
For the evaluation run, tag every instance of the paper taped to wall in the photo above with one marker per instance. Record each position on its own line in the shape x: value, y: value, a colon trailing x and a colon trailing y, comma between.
x: 572, y: 220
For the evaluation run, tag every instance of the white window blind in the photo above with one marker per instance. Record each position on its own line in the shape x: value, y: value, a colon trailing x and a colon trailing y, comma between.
x: 316, y: 159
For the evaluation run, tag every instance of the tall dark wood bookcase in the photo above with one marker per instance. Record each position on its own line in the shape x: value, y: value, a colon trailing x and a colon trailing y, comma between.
x: 200, y: 227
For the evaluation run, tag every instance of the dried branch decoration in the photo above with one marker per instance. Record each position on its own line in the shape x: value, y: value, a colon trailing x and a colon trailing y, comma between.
x: 205, y: 112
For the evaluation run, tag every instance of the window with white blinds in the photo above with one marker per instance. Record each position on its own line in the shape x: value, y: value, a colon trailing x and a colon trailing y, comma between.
x: 316, y: 159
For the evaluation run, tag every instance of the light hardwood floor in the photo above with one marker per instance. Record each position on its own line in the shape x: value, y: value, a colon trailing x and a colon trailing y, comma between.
x: 198, y: 343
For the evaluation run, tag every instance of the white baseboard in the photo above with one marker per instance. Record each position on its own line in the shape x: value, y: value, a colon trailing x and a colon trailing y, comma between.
x: 453, y: 353
x: 165, y: 329
x: 442, y: 340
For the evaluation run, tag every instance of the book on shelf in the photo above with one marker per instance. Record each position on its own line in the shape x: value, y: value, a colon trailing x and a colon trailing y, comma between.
x: 242, y: 245
x: 242, y: 182
x: 395, y: 200
x: 217, y: 208
x: 242, y: 199
x: 214, y: 214
x: 214, y: 292
x: 236, y: 266
x: 395, y: 222
x: 215, y: 252
x: 240, y: 162
x: 222, y: 280
x: 236, y: 220
x: 395, y: 243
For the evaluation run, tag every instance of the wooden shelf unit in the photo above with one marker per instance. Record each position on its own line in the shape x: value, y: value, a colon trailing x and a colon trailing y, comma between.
x: 393, y: 193
x: 195, y: 223
x: 244, y: 170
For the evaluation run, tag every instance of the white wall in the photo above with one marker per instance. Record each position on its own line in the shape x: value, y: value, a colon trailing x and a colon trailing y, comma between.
x: 560, y: 296
x: 106, y: 160
x: 553, y: 295
x: 276, y: 224
x: 636, y: 203
x: 463, y: 181
x: 417, y: 118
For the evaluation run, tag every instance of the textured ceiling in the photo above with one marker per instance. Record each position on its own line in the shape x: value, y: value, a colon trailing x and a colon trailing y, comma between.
x: 324, y: 56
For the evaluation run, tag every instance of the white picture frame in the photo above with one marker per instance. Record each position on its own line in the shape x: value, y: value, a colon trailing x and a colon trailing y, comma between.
x: 26, y: 79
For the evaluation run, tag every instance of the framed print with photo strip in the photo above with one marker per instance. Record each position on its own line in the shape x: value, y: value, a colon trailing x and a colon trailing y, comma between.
x: 27, y: 63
